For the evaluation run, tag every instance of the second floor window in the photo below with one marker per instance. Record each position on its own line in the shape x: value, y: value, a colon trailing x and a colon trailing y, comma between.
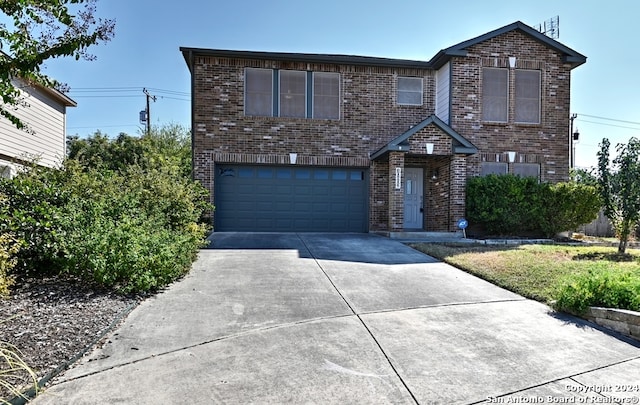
x: 258, y: 92
x: 495, y: 94
x: 326, y: 95
x: 409, y: 90
x: 526, y: 95
x: 292, y: 93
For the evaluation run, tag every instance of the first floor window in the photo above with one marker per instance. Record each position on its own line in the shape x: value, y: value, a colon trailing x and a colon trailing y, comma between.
x: 410, y: 90
x: 488, y: 168
x: 258, y: 99
x: 526, y: 170
x: 495, y: 94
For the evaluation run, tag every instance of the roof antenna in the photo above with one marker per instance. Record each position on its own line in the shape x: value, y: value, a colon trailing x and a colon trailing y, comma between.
x: 550, y: 27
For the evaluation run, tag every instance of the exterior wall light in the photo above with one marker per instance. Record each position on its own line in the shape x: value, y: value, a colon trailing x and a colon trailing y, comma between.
x: 512, y: 62
x: 293, y: 158
x: 429, y: 148
x: 512, y: 156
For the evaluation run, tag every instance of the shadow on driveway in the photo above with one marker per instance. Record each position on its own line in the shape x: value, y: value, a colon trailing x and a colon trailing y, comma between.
x: 351, y: 247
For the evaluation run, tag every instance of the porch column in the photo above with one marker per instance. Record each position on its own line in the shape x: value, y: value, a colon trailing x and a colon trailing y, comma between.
x: 396, y: 195
x: 458, y: 173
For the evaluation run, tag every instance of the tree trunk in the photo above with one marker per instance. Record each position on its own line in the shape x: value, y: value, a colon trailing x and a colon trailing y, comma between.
x: 622, y: 246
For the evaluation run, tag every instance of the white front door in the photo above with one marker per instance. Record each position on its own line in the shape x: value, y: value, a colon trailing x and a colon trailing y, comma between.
x: 413, y: 198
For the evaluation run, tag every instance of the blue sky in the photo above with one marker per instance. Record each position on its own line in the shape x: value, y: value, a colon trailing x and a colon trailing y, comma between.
x: 145, y: 51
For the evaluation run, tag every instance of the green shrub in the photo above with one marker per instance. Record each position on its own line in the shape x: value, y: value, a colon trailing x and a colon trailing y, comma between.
x: 566, y: 206
x: 8, y: 249
x: 602, y: 288
x: 33, y: 213
x: 121, y: 213
x: 133, y: 230
x: 511, y: 205
x: 503, y: 204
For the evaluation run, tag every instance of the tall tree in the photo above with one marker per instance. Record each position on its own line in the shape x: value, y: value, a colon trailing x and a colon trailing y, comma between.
x: 33, y: 31
x: 619, y: 182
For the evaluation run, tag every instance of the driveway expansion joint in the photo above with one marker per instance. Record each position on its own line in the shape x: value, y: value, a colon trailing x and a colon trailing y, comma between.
x: 362, y: 322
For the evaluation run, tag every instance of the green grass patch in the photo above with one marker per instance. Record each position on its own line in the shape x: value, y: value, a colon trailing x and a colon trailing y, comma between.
x: 574, y: 276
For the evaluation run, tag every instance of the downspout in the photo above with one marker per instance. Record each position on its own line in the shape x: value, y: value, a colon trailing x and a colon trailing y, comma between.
x: 193, y: 123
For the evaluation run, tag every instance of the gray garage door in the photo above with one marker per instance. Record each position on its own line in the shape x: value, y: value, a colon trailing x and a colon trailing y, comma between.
x: 290, y: 199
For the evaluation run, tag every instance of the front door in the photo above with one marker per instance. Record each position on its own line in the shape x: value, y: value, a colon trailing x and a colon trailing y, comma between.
x: 413, y: 198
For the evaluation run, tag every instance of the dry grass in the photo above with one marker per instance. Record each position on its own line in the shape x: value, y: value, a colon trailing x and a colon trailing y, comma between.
x: 534, y: 271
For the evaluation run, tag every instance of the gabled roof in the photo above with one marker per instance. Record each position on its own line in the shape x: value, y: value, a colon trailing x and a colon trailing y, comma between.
x: 460, y: 143
x: 569, y: 55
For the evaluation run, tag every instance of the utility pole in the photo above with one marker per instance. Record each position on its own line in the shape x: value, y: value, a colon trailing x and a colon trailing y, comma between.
x: 572, y: 150
x: 150, y: 97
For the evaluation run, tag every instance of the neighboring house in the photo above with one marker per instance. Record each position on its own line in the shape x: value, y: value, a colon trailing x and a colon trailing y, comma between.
x: 314, y: 142
x: 45, y: 115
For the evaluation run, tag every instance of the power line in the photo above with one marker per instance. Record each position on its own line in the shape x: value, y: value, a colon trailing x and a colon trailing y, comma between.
x: 609, y: 119
x: 608, y: 125
x: 175, y: 98
x: 125, y: 89
x: 108, y: 96
x: 104, y: 126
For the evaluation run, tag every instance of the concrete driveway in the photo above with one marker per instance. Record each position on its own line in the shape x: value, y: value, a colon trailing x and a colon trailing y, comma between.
x: 337, y: 318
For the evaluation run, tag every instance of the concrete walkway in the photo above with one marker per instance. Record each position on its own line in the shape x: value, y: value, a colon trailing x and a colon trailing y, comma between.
x: 345, y: 319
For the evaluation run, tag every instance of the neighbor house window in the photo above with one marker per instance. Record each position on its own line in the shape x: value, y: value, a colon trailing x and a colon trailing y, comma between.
x: 293, y: 93
x: 526, y: 170
x: 258, y: 99
x: 326, y: 95
x: 527, y: 96
x: 410, y: 90
x: 488, y: 168
x: 495, y: 93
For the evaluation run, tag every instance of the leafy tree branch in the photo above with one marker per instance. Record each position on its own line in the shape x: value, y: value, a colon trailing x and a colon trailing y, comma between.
x: 34, y: 31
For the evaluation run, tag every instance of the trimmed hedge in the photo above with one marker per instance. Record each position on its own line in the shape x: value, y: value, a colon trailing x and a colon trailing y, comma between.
x: 512, y: 205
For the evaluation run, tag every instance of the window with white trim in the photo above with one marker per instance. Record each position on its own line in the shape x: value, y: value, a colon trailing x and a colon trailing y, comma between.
x: 495, y: 94
x: 292, y: 93
x: 527, y: 96
x: 409, y: 91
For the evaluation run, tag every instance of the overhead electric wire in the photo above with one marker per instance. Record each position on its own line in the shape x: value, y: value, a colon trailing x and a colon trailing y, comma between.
x: 607, y: 125
x: 104, y: 126
x: 608, y: 119
x: 125, y: 89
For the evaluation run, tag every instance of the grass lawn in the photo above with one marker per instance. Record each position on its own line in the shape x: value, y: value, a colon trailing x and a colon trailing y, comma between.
x: 534, y: 271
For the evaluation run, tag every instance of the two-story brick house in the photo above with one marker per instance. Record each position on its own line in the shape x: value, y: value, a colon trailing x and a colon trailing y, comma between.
x: 314, y: 142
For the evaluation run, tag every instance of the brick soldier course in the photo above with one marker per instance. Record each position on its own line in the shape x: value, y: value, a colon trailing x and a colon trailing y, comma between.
x: 376, y: 133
